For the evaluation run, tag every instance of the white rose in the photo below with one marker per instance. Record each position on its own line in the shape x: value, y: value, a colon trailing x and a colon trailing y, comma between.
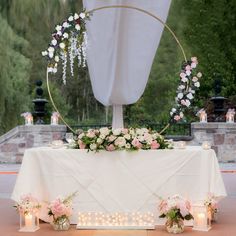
x: 180, y: 95
x: 199, y: 74
x: 51, y: 54
x: 51, y: 49
x: 58, y: 28
x: 127, y: 145
x: 194, y: 79
x: 57, y: 58
x: 173, y: 110
x: 197, y: 84
x: 71, y: 18
x: 116, y: 131
x: 120, y: 142
x: 54, y: 42
x: 141, y: 138
x: 62, y: 45
x: 189, y: 96
x: 93, y: 146
x: 127, y: 136
x: 181, y: 87
x: 77, y: 27
x: 184, y: 79
x: 99, y: 140
x: 187, y: 102
x: 65, y: 25
x: 76, y: 16
x: 81, y: 136
x: 66, y: 35
x: 102, y: 136
x: 82, y: 15
x: 193, y: 65
x: 44, y: 53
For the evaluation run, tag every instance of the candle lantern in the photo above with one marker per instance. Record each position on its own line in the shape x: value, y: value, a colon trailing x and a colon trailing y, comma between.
x: 202, y: 218
x: 55, y: 118
x: 230, y: 116
x: 29, y: 222
x: 203, y: 116
x: 206, y: 145
x: 181, y: 145
x: 28, y: 118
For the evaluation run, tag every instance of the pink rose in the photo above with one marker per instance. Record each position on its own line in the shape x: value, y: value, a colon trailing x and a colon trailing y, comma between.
x: 155, y: 145
x: 188, y: 67
x: 194, y: 59
x: 110, y: 147
x: 90, y: 134
x: 81, y: 145
x: 58, y: 208
x: 183, y: 102
x: 182, y: 75
x: 183, y: 209
x: 136, y: 143
x: 177, y: 117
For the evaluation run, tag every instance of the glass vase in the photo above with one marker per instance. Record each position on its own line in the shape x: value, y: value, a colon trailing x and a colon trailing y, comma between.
x: 62, y: 223
x: 175, y: 226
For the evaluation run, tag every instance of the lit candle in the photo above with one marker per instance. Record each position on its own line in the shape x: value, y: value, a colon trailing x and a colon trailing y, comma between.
x: 206, y: 145
x: 203, y: 117
x: 201, y: 219
x: 181, y: 144
x: 28, y: 220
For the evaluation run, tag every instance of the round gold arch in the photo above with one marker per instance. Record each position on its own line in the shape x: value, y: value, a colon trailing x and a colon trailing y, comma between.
x: 126, y: 7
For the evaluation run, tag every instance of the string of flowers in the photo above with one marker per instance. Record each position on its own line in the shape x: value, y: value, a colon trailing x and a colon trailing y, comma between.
x: 120, y: 139
x: 188, y: 84
x: 68, y: 40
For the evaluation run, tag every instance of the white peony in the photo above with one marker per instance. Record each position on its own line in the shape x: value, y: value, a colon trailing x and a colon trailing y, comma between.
x: 57, y: 58
x: 62, y: 45
x: 66, y: 35
x: 71, y: 18
x: 54, y: 42
x: 82, y: 15
x: 99, y: 140
x: 58, y: 28
x: 76, y: 16
x: 120, y: 142
x: 104, y: 131
x: 189, y: 96
x: 77, y: 27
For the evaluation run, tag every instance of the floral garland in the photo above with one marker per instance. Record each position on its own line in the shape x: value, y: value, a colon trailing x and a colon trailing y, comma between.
x: 68, y: 40
x: 120, y: 139
x: 189, y: 83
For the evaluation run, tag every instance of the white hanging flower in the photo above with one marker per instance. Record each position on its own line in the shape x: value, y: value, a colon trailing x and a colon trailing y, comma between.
x: 56, y: 58
x: 58, y: 28
x: 180, y: 95
x: 181, y: 114
x: 77, y: 27
x: 51, y: 49
x: 173, y: 109
x: 66, y: 24
x: 199, y: 74
x: 62, y: 45
x: 181, y: 87
x: 187, y: 103
x: 197, y: 84
x: 51, y: 54
x: 59, y: 33
x: 93, y: 146
x: 195, y: 79
x: 188, y: 72
x: 190, y: 96
x: 50, y: 69
x: 82, y: 15
x: 71, y: 18
x: 184, y: 79
x: 76, y: 16
x: 193, y: 65
x: 171, y: 113
x: 54, y: 70
x: 66, y: 35
x: 54, y: 42
x: 44, y: 53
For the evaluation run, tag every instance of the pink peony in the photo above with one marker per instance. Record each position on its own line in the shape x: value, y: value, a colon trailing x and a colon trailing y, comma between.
x: 58, y: 208
x: 155, y: 145
x: 110, y: 147
x: 136, y: 143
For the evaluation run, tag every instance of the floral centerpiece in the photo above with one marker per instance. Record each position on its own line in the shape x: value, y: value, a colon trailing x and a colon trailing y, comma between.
x: 27, y: 204
x: 212, y: 204
x: 61, y: 209
x: 121, y: 139
x: 176, y: 209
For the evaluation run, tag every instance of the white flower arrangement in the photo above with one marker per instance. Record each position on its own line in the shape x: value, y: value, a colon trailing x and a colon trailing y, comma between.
x: 68, y: 40
x: 189, y: 83
x: 120, y: 139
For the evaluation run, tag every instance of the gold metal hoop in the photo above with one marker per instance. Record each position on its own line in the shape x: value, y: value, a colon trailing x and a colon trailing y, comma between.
x: 127, y: 7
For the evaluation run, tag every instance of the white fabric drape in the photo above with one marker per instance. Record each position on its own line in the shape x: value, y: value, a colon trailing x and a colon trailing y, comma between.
x: 121, y: 46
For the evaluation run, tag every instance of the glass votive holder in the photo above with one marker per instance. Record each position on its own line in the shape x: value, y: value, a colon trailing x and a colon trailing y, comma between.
x: 206, y: 145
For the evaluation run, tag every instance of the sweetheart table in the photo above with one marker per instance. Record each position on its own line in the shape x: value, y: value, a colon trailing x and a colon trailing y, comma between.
x: 119, y: 181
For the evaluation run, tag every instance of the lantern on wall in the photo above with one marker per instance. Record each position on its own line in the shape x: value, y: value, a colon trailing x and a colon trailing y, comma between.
x: 230, y: 116
x: 203, y: 116
x: 202, y: 218
x: 55, y: 118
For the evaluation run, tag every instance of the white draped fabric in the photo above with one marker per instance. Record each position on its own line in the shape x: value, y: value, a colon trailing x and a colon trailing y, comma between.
x: 118, y: 181
x: 121, y: 46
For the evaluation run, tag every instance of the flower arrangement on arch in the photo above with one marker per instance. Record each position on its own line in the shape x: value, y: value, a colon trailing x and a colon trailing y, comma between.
x: 61, y: 209
x: 27, y: 204
x: 121, y: 139
x: 188, y: 84
x: 175, y: 208
x: 212, y: 203
x: 69, y: 39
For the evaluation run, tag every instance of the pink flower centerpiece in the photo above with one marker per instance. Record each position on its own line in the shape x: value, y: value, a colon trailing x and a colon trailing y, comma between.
x: 176, y: 209
x: 61, y: 209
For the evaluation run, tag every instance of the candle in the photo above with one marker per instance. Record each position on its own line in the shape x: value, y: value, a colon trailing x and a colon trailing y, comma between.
x: 203, y: 117
x: 181, y: 144
x: 201, y: 219
x: 206, y: 145
x: 28, y: 220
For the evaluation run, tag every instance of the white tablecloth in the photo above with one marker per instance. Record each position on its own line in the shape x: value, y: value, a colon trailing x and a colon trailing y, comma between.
x: 118, y: 181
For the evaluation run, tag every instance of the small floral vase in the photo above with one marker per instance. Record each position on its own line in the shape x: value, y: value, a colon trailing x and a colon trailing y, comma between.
x: 174, y: 226
x: 62, y: 223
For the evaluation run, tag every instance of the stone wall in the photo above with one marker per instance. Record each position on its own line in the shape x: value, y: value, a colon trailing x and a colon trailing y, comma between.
x: 14, y: 143
x: 222, y: 137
